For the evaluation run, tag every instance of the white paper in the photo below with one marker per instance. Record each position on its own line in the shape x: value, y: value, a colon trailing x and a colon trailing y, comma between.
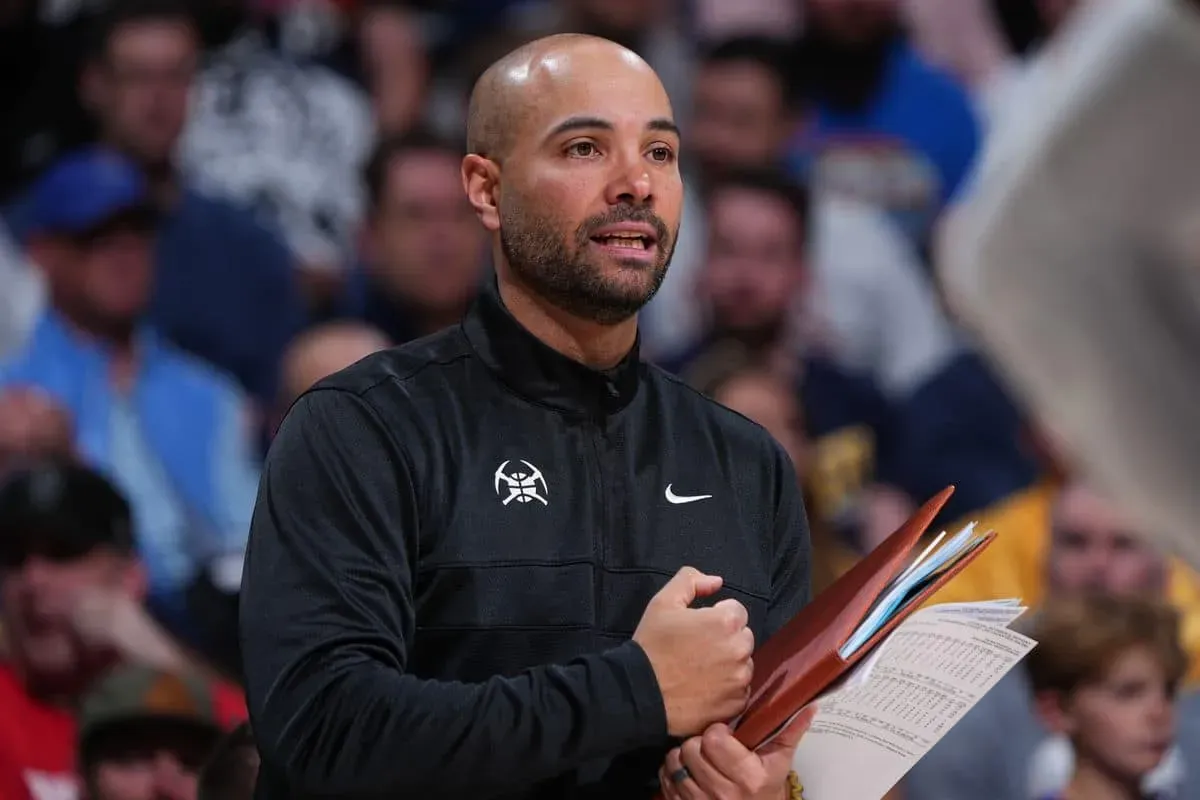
x: 937, y: 664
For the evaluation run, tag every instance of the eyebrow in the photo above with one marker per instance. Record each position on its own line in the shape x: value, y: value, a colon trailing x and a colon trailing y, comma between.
x: 596, y: 123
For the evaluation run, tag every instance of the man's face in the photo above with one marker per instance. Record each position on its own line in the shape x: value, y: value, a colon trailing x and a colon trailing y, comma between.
x: 425, y: 241
x: 1125, y: 721
x: 755, y: 262
x: 38, y: 597
x: 590, y: 196
x: 1094, y: 550
x: 143, y: 85
x: 852, y: 22
x: 739, y: 117
x: 113, y: 273
x: 148, y: 761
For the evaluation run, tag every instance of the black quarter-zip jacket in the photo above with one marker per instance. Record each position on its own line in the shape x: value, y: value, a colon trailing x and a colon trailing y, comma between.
x: 453, y: 543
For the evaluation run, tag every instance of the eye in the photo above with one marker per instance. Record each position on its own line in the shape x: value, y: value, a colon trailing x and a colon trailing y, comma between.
x: 583, y: 149
x: 662, y: 154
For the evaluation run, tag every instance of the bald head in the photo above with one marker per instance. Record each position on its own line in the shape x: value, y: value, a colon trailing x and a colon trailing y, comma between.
x: 321, y: 351
x: 505, y: 94
x: 573, y: 168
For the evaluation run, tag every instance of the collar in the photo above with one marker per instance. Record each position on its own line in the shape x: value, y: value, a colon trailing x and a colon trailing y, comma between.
x: 55, y: 332
x: 540, y: 373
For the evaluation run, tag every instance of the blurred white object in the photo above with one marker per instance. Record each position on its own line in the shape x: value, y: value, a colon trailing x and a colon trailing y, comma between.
x: 1077, y: 257
x: 22, y: 294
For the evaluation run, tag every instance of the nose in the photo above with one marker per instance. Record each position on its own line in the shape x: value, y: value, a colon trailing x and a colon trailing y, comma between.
x: 172, y: 781
x: 630, y: 183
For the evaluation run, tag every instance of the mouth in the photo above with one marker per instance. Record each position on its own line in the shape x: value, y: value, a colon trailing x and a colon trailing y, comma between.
x: 628, y: 241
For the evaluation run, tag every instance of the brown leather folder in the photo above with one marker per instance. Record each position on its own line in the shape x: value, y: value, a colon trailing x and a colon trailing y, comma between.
x: 801, y: 661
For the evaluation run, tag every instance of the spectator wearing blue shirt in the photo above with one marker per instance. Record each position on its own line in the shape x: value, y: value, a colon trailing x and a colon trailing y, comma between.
x: 224, y: 286
x: 885, y: 126
x: 170, y: 430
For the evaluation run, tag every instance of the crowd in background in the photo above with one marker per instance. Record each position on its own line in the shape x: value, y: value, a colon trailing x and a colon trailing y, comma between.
x: 206, y: 206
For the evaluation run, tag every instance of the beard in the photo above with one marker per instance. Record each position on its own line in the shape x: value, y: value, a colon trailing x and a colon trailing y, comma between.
x: 561, y: 271
x: 845, y: 73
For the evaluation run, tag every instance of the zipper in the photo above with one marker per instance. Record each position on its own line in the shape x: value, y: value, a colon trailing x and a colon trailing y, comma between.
x: 595, y: 437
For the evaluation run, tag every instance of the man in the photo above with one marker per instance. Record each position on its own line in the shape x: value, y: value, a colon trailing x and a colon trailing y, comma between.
x: 890, y: 129
x: 999, y: 750
x: 224, y: 285
x: 459, y: 580
x: 144, y: 734
x: 232, y: 770
x: 424, y: 252
x: 868, y: 289
x: 172, y: 431
x: 71, y: 591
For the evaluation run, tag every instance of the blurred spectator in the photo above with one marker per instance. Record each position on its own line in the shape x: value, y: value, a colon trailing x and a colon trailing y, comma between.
x: 22, y: 294
x: 394, y: 64
x: 999, y: 750
x: 175, y: 433
x: 284, y: 137
x: 224, y: 287
x: 322, y: 351
x: 424, y: 250
x: 1104, y: 675
x: 144, y: 733
x: 70, y: 600
x: 41, y: 45
x: 32, y: 426
x: 232, y: 770
x: 887, y: 127
x: 868, y: 290
x: 650, y: 28
x: 719, y: 19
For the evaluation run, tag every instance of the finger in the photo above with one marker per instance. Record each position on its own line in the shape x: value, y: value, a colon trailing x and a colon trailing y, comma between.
x: 734, y: 613
x: 685, y: 788
x: 666, y: 786
x: 688, y: 584
x: 707, y: 775
x: 791, y: 735
x: 736, y: 762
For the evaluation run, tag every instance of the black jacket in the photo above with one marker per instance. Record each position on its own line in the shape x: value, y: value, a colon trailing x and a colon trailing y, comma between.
x: 453, y: 543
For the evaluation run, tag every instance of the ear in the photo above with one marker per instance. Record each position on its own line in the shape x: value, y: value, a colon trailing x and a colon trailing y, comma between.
x: 1051, y: 709
x: 481, y: 182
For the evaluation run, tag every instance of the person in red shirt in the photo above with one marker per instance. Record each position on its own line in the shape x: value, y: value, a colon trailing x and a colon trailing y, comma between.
x: 71, y: 589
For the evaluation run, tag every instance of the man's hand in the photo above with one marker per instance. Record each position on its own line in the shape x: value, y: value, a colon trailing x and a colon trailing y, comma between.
x: 700, y: 656
x: 716, y: 766
x: 110, y: 620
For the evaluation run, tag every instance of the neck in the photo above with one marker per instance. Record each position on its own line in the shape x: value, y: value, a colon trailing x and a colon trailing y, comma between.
x: 1091, y: 782
x: 118, y: 338
x: 161, y: 178
x: 598, y: 346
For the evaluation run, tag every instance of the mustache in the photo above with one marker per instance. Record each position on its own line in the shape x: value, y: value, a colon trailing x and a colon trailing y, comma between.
x: 639, y: 214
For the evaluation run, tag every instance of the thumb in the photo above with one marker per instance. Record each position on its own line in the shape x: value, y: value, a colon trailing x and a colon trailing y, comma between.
x: 688, y: 584
x: 783, y: 745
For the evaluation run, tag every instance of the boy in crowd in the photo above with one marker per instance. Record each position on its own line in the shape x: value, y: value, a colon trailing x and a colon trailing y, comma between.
x: 1104, y: 675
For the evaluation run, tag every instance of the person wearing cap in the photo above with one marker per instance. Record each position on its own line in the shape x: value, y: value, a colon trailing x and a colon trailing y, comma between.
x: 71, y: 590
x: 174, y: 432
x: 144, y: 734
x: 226, y: 288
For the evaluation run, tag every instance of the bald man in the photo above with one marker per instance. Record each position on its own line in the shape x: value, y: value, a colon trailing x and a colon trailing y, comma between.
x: 510, y: 559
x: 321, y: 351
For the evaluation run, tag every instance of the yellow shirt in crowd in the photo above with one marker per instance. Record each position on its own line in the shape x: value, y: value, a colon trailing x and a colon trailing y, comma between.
x: 1014, y: 566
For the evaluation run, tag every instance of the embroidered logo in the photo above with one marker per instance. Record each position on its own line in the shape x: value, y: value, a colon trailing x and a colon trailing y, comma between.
x: 522, y: 484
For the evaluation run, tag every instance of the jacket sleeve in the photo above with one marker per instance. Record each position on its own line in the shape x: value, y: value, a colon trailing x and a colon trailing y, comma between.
x: 327, y: 622
x: 791, y: 585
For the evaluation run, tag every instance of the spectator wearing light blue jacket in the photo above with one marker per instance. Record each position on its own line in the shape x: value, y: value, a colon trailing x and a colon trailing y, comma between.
x: 174, y: 433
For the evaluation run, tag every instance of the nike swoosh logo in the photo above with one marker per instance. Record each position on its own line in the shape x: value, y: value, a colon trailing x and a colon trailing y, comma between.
x: 678, y: 499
